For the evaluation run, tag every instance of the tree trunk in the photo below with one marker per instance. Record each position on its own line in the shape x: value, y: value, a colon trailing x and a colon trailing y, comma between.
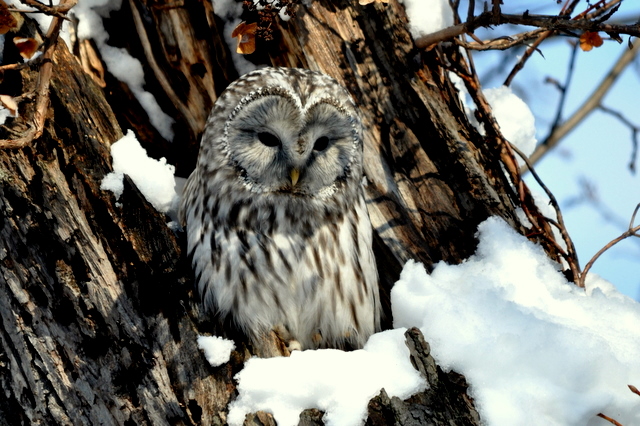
x: 99, y: 321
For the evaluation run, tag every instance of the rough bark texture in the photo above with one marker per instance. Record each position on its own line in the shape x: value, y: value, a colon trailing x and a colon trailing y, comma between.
x: 98, y: 317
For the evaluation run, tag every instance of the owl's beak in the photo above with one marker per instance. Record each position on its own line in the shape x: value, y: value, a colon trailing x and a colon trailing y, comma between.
x: 295, y: 175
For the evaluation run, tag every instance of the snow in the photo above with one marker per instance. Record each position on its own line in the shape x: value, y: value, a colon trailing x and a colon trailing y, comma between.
x: 216, y: 349
x: 4, y: 114
x: 154, y: 178
x: 516, y: 121
x: 531, y: 345
x: 428, y: 16
x: 227, y: 9
x: 336, y: 382
x: 119, y: 62
x: 514, y: 117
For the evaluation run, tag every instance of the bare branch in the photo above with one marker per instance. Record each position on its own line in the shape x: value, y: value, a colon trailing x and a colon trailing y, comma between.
x: 571, y: 257
x: 538, y: 221
x: 631, y: 232
x: 564, y: 88
x: 551, y: 23
x: 609, y: 419
x: 593, y: 101
x: 566, y: 12
x: 496, y: 10
x: 500, y: 43
x: 60, y: 10
x: 506, y: 42
x: 21, y: 65
x: 44, y: 79
x: 527, y: 54
x: 634, y: 133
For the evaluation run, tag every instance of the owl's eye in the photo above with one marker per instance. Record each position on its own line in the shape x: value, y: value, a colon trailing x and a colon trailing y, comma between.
x: 268, y: 139
x: 321, y: 143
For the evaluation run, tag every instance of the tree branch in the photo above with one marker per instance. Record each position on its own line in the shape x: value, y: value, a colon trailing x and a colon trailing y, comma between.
x: 631, y: 232
x: 60, y: 10
x: 593, y: 101
x: 44, y: 79
x: 548, y: 22
x: 564, y: 89
x: 538, y: 222
x: 634, y: 133
x: 500, y: 43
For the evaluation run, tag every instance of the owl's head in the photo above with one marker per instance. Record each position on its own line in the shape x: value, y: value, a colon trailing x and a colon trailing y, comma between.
x: 289, y: 131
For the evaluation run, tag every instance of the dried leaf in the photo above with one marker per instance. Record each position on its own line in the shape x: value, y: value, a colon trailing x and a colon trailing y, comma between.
x: 9, y: 103
x: 589, y: 40
x: 7, y: 21
x: 246, y: 34
x: 365, y: 2
x: 26, y: 46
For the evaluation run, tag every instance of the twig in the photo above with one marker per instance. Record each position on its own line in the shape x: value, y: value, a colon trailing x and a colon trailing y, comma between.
x: 609, y: 419
x: 18, y: 66
x: 634, y: 389
x: 44, y: 80
x: 500, y: 43
x: 496, y: 11
x: 571, y: 256
x: 59, y: 10
x: 538, y: 221
x: 506, y: 42
x: 631, y: 232
x: 593, y: 100
x: 564, y: 89
x: 470, y: 10
x: 547, y: 22
x: 566, y: 12
x: 634, y: 133
x: 527, y: 54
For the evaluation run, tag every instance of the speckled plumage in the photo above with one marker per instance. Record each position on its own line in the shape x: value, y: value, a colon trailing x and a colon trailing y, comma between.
x: 273, y: 249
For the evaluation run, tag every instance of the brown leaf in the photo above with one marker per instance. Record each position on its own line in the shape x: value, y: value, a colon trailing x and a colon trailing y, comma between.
x: 9, y: 103
x: 7, y: 21
x: 246, y: 34
x: 26, y: 46
x: 589, y: 40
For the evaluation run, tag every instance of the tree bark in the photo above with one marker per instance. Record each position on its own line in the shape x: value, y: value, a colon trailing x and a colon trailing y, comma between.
x: 99, y: 320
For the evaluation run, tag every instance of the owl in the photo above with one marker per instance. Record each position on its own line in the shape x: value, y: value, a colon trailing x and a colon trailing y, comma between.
x: 277, y: 226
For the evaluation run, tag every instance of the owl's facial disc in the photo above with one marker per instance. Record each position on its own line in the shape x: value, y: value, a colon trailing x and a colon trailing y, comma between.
x: 280, y: 146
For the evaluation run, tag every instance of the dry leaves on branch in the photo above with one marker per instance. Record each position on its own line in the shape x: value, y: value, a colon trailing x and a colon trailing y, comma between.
x: 26, y: 46
x: 246, y: 34
x: 589, y: 40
